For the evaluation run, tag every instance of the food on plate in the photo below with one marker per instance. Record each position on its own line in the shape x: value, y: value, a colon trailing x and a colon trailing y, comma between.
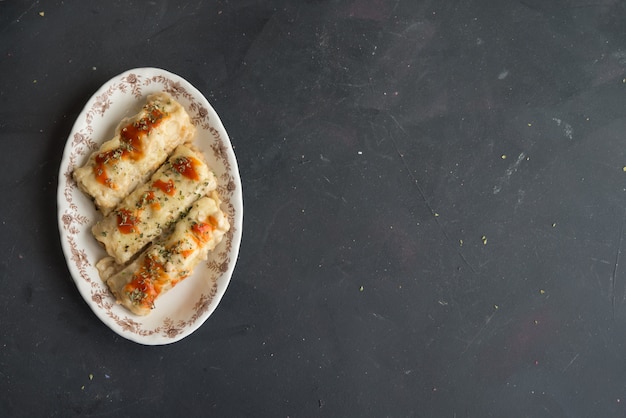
x: 156, y: 204
x: 140, y: 145
x: 171, y: 259
x: 161, y: 211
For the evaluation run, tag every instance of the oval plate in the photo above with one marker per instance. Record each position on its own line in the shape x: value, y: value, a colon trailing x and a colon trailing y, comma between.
x: 183, y: 309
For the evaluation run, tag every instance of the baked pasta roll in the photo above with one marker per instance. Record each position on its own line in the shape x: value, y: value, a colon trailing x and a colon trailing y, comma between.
x: 166, y: 262
x: 155, y: 205
x: 140, y: 145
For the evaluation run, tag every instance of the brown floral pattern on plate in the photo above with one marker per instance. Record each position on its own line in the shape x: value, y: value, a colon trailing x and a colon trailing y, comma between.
x: 75, y: 220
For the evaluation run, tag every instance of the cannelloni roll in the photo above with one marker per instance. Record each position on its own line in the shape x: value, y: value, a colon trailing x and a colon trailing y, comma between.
x: 155, y: 205
x: 140, y: 145
x: 166, y: 262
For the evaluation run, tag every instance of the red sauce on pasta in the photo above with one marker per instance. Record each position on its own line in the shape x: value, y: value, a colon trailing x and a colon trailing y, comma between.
x: 127, y: 221
x: 131, y: 144
x: 187, y: 167
x: 146, y: 284
x: 167, y: 187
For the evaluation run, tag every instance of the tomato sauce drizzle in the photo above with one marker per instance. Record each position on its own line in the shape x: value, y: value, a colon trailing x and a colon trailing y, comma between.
x: 187, y: 167
x: 131, y: 144
x: 146, y: 284
x: 202, y: 230
x: 166, y: 187
x: 127, y: 221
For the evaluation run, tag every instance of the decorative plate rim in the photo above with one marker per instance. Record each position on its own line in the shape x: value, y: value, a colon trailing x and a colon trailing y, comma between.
x: 184, y: 309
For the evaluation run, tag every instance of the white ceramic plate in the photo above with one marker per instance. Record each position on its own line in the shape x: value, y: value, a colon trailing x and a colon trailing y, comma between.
x: 183, y: 309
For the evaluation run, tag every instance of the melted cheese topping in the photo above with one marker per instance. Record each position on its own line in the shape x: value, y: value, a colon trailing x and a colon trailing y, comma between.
x: 139, y: 147
x: 167, y: 262
x: 155, y: 205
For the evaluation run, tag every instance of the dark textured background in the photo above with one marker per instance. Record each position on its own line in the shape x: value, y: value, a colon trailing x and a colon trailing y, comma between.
x: 435, y: 201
